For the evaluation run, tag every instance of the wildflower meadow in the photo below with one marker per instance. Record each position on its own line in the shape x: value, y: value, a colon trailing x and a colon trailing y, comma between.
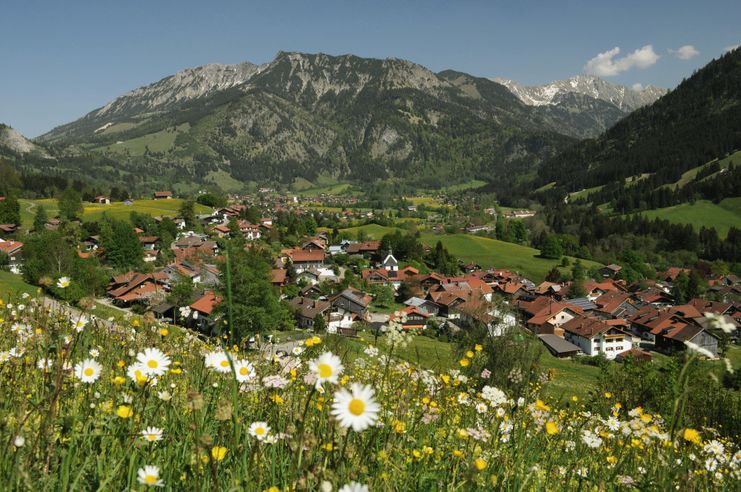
x: 88, y: 404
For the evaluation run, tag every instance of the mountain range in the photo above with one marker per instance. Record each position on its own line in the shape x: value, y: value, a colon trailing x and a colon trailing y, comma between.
x: 306, y: 115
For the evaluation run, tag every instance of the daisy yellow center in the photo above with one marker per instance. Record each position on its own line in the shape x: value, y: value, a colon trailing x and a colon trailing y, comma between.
x: 356, y: 407
x: 325, y: 370
x: 89, y: 371
x: 260, y: 431
x: 152, y: 363
x: 150, y: 479
x: 243, y: 371
x: 224, y: 363
x: 151, y: 437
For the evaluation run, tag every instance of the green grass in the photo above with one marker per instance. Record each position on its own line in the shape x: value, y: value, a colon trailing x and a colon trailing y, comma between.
x: 688, y: 176
x: 468, y: 185
x: 93, y: 211
x: 493, y: 253
x: 12, y: 285
x: 162, y: 141
x: 569, y: 378
x: 30, y: 207
x: 546, y: 187
x: 118, y: 210
x: 372, y: 231
x: 584, y: 193
x: 722, y: 216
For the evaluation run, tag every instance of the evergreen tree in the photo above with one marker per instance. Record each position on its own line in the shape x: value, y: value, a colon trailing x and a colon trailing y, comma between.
x: 551, y: 248
x: 70, y: 204
x: 187, y: 213
x: 255, y: 307
x: 40, y: 219
x: 10, y: 210
x: 320, y: 324
x: 123, y: 250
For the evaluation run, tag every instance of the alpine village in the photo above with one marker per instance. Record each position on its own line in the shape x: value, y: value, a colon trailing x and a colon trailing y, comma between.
x: 343, y: 273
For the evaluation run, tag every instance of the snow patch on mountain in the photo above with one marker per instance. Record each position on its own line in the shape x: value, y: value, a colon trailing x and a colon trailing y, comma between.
x: 625, y: 98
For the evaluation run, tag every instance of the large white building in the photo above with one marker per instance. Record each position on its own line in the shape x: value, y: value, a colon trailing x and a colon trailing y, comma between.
x: 593, y: 336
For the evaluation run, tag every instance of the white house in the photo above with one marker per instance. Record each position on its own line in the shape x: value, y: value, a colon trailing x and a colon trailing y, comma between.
x: 593, y: 336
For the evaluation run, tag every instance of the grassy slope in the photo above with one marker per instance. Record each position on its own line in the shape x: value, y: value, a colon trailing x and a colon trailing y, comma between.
x: 12, y: 285
x: 493, y: 253
x: 93, y: 211
x: 722, y: 216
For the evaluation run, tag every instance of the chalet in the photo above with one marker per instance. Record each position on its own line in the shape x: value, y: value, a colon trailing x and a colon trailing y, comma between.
x: 278, y: 277
x: 348, y: 306
x: 410, y: 318
x: 8, y: 228
x: 616, y: 305
x: 205, y: 306
x: 593, y: 336
x: 182, y: 269
x: 162, y: 195
x: 550, y: 318
x: 313, y: 291
x: 251, y: 232
x: 337, y: 249
x: 367, y: 247
x: 423, y: 305
x: 134, y: 287
x: 304, y: 260
x: 102, y: 199
x: 596, y: 289
x: 310, y: 276
x: 447, y: 302
x: 610, y: 271
x: 635, y: 354
x: 14, y: 252
x: 474, y: 229
x: 314, y: 244
x: 674, y: 339
x: 390, y: 263
x: 306, y: 309
x: 714, y: 307
x: 52, y: 224
x: 149, y: 242
x: 671, y: 274
x: 221, y: 230
x: 649, y: 321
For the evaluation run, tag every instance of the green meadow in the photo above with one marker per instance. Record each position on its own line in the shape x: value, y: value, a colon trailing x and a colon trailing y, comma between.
x: 722, y: 216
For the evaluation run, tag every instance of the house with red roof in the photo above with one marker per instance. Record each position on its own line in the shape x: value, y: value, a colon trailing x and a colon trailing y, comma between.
x: 14, y: 251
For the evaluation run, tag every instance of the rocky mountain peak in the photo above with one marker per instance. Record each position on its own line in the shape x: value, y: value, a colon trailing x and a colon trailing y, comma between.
x: 625, y: 98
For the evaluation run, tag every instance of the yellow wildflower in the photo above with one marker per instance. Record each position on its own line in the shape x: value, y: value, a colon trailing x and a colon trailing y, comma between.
x: 692, y: 435
x: 469, y: 354
x: 124, y: 411
x: 218, y: 452
x: 478, y: 348
x: 480, y: 464
x: 464, y: 362
x: 551, y: 427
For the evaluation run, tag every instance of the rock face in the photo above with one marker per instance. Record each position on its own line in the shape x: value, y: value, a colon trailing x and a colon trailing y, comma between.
x: 624, y: 98
x: 17, y: 143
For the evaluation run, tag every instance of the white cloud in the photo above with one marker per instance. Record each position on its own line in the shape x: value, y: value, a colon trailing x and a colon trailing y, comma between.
x: 606, y: 65
x: 638, y: 87
x: 731, y: 48
x: 685, y: 52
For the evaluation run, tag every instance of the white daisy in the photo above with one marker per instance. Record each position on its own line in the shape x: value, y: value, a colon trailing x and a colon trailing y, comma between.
x: 150, y: 476
x: 88, y: 371
x: 152, y: 434
x: 356, y: 408
x: 481, y: 407
x: 260, y: 430
x: 297, y: 350
x: 218, y: 361
x: 244, y: 370
x: 63, y: 282
x: 354, y: 487
x: 44, y: 364
x: 326, y: 368
x: 80, y: 324
x: 153, y: 361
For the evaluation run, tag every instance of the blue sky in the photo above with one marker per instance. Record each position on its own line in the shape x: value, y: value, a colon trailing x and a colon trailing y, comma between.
x: 61, y: 59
